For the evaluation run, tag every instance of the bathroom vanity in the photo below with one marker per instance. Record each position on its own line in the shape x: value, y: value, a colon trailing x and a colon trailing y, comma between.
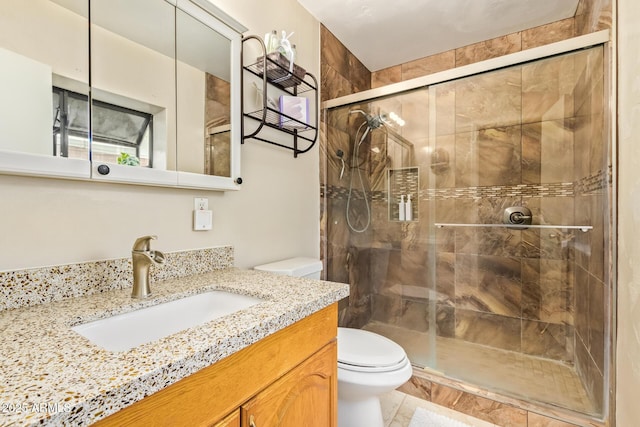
x: 286, y: 379
x: 273, y: 360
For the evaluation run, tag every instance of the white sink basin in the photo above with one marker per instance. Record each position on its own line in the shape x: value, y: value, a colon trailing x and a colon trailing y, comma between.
x: 125, y: 331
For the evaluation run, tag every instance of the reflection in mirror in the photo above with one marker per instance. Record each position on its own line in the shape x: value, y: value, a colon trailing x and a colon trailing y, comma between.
x: 203, y: 74
x: 218, y: 151
x: 133, y: 83
x: 44, y: 77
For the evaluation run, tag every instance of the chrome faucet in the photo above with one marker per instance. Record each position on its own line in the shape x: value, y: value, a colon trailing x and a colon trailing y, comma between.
x: 142, y: 258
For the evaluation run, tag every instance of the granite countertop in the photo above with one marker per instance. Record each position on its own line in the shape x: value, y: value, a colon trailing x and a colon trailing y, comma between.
x: 51, y: 375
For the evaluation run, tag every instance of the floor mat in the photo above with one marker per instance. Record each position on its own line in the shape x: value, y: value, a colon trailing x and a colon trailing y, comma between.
x: 425, y: 418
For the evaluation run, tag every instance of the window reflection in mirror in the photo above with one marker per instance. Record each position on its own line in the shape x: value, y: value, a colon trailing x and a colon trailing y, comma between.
x: 44, y: 45
x: 204, y: 97
x: 133, y: 83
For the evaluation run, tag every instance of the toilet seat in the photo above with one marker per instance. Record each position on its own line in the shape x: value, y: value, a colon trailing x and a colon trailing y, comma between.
x: 364, y: 351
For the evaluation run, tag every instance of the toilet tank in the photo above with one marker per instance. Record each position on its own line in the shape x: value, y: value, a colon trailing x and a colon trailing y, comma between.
x: 297, y: 267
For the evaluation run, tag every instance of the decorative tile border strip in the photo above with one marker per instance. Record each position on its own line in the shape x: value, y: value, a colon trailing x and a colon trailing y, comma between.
x: 597, y: 182
x: 34, y: 286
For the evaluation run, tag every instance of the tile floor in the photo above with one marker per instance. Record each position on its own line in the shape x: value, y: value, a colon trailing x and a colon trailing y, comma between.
x: 398, y: 408
x: 507, y: 372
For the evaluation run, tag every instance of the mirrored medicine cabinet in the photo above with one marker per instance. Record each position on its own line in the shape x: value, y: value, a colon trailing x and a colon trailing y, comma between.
x: 142, y: 92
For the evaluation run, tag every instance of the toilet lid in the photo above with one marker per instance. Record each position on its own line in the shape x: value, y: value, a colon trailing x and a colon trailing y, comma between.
x: 366, y: 349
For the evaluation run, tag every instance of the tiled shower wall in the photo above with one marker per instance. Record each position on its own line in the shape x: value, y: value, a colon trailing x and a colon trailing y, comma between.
x: 560, y: 304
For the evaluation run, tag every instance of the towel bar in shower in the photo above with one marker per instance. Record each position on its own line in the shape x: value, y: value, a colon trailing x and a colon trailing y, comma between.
x: 583, y: 228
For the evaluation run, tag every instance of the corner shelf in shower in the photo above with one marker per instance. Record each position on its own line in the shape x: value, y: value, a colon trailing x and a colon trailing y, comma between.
x: 302, y: 136
x: 583, y: 228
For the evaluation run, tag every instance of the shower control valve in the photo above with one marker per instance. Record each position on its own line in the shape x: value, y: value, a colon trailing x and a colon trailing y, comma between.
x: 517, y: 215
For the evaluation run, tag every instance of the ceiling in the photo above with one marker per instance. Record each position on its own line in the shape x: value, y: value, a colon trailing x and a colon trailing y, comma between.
x: 384, y: 33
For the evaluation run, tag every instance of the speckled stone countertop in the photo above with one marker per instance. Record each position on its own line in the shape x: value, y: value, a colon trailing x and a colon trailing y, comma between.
x: 51, y: 375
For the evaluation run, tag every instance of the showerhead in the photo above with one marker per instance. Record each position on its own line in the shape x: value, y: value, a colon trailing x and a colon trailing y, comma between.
x: 373, y: 122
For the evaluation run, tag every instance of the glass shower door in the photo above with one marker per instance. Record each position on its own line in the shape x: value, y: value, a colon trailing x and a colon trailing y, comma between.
x: 513, y: 303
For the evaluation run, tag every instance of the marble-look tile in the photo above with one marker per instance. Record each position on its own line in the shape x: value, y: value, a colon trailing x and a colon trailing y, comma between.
x: 479, y: 407
x: 595, y: 15
x: 217, y: 101
x: 336, y: 141
x: 547, y: 152
x: 488, y: 329
x: 597, y: 310
x: 492, y: 48
x: 548, y: 340
x: 445, y: 277
x: 491, y: 241
x: 490, y: 100
x: 441, y: 162
x: 589, y: 72
x: 537, y: 420
x: 547, y: 291
x: 333, y: 52
x: 490, y: 284
x: 445, y: 95
x: 359, y: 75
x: 417, y: 387
x: 445, y: 321
x: 386, y: 309
x: 333, y: 85
x: 549, y: 33
x: 548, y: 88
x: 597, y: 243
x: 488, y: 157
x: 582, y: 245
x: 386, y: 76
x: 592, y: 379
x: 429, y: 65
x: 413, y: 107
x: 581, y: 320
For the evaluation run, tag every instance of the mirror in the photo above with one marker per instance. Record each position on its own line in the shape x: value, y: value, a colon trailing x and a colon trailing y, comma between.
x: 164, y: 76
x: 133, y: 90
x: 44, y: 54
x: 204, y: 97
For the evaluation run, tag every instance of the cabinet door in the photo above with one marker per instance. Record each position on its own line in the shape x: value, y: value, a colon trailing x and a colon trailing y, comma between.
x: 231, y: 420
x: 306, y: 396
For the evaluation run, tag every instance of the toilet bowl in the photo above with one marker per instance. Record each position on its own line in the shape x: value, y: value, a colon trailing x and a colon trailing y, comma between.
x: 369, y: 364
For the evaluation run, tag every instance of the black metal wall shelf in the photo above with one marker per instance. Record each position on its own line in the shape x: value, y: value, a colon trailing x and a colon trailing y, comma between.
x: 303, y: 136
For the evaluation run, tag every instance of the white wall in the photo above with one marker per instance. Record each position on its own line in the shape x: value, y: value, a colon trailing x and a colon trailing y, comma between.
x: 628, y: 350
x: 274, y: 215
x: 26, y: 103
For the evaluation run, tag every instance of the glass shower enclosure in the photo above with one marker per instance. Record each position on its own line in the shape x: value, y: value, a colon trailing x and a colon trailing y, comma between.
x: 518, y: 305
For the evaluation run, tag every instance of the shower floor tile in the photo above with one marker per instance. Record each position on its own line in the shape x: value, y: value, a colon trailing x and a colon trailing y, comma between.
x: 501, y: 371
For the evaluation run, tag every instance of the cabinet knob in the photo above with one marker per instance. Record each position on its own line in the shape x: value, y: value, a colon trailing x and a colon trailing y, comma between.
x: 252, y: 421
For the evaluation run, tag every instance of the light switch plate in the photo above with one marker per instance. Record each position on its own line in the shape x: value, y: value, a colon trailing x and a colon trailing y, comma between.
x: 202, y: 220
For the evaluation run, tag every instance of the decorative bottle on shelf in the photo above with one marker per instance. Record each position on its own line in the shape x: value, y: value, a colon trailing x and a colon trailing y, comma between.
x: 271, y: 41
x: 408, y: 209
x: 401, y: 209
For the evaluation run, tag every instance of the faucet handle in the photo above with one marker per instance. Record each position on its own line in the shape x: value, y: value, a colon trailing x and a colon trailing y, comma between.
x: 143, y: 243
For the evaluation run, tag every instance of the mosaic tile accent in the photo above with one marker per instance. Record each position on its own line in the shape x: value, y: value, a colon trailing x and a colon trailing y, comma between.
x: 34, y: 286
x: 590, y: 184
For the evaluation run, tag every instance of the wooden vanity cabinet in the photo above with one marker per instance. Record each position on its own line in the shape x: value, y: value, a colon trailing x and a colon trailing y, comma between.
x: 303, y: 397
x: 288, y: 379
x: 231, y: 420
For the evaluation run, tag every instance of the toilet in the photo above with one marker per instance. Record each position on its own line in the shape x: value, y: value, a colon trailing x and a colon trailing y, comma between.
x: 369, y: 364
